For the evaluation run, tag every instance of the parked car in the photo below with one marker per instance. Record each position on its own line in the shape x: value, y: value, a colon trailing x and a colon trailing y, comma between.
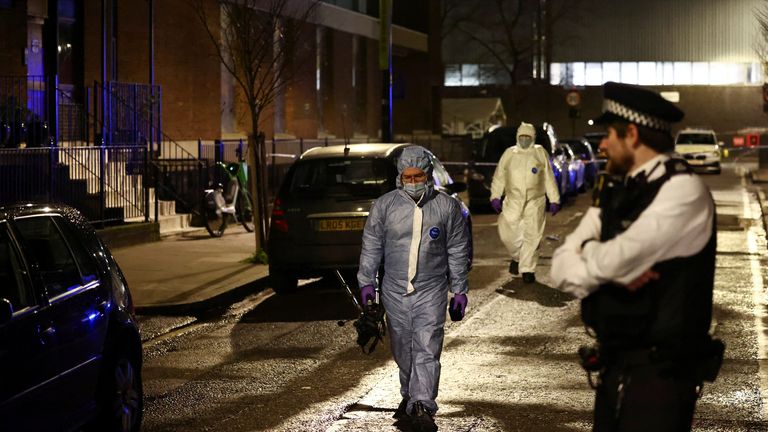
x: 488, y: 152
x: 594, y: 139
x: 322, y: 205
x: 700, y: 149
x: 583, y: 150
x: 573, y: 168
x: 547, y: 138
x: 70, y: 351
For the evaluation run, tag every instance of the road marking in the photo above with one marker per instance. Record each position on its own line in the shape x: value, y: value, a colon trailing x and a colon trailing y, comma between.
x: 758, y: 297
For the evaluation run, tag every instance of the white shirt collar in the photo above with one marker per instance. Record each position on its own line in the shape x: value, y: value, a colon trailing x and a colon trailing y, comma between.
x: 650, y: 165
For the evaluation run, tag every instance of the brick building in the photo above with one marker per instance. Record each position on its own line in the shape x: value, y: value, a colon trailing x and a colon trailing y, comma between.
x: 339, y: 96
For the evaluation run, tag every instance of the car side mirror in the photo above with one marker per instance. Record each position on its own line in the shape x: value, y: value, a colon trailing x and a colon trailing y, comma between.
x: 6, y: 311
x: 720, y: 143
x: 456, y: 187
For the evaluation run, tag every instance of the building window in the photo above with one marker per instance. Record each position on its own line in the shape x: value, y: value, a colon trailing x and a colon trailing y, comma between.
x: 657, y: 73
x: 594, y: 74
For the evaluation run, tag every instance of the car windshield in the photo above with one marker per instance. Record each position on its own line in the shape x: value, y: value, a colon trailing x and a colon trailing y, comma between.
x: 696, y: 138
x: 342, y: 178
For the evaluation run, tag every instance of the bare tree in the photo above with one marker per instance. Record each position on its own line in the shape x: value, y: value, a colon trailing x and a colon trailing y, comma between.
x: 263, y: 44
x: 513, y: 34
x: 762, y: 43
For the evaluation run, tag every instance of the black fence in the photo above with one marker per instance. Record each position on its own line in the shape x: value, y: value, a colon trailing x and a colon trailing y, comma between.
x: 107, y: 184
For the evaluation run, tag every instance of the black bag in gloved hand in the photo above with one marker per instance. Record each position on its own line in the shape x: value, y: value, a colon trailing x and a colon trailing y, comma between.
x: 370, y: 325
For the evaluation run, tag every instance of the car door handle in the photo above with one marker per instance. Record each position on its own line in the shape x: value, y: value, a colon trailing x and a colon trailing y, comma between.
x: 46, y: 335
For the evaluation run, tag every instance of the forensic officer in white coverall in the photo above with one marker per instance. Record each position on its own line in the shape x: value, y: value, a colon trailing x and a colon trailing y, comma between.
x: 423, y: 240
x: 525, y: 179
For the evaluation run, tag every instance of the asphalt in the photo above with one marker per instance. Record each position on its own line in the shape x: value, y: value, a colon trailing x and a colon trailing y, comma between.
x: 191, y: 273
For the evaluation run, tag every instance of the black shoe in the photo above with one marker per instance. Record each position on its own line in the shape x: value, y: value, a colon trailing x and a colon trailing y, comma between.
x: 421, y: 419
x: 400, y: 412
x: 529, y: 278
x: 513, y: 267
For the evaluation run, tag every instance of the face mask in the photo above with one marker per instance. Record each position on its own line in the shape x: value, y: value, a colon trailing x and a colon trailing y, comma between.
x: 524, y: 141
x: 415, y: 190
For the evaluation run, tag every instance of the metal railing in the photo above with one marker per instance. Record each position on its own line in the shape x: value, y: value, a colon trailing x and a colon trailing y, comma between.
x: 23, y: 112
x: 107, y: 184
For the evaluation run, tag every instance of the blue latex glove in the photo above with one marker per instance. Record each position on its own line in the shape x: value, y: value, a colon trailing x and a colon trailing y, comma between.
x: 554, y: 208
x: 368, y: 293
x: 496, y: 204
x: 458, y: 307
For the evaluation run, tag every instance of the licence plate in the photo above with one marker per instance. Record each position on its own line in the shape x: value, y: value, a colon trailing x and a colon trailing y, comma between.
x: 355, y: 224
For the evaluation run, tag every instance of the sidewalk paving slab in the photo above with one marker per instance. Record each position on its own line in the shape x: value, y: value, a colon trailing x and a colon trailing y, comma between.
x: 183, y: 274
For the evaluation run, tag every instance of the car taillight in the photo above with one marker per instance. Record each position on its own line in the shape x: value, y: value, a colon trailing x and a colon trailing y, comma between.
x: 278, y: 216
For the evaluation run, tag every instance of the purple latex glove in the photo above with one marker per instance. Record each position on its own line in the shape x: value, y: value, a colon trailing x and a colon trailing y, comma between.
x: 496, y: 204
x: 368, y: 293
x: 458, y: 307
x: 554, y: 208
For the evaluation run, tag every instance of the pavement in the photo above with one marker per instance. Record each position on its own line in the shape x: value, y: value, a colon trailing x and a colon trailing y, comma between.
x: 192, y: 272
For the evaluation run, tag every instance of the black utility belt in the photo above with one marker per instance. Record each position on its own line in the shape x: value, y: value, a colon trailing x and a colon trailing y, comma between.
x: 704, y: 363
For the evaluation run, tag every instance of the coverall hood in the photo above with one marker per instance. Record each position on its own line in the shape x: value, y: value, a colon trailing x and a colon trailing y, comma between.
x: 526, y: 129
x: 417, y: 157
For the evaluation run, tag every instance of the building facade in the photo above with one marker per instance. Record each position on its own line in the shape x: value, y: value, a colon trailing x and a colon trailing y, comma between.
x: 163, y: 43
x: 702, y: 54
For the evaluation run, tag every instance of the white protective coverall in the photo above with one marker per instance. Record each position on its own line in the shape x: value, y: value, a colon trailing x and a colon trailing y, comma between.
x: 523, y: 176
x: 425, y: 247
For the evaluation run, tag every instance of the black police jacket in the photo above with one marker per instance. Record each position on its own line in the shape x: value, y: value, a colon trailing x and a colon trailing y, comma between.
x: 671, y: 314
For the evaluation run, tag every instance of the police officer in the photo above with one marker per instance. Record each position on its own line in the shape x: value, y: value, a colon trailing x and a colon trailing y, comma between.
x: 643, y: 260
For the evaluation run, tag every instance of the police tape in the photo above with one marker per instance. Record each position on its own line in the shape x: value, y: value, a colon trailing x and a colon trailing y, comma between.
x: 470, y: 163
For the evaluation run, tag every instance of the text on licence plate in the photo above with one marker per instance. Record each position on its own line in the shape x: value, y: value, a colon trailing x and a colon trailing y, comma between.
x: 355, y: 224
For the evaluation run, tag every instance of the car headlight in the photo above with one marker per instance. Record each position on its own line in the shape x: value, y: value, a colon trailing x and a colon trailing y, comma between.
x: 716, y: 153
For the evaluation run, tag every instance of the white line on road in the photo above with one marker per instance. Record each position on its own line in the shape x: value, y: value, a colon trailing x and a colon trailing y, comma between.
x: 758, y: 296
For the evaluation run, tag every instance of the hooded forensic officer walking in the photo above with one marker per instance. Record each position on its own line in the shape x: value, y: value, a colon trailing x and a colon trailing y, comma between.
x: 525, y: 179
x: 422, y: 237
x: 643, y: 262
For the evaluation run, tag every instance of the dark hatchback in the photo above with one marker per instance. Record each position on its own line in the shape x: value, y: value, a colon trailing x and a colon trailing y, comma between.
x: 70, y: 351
x: 322, y: 205
x: 488, y: 151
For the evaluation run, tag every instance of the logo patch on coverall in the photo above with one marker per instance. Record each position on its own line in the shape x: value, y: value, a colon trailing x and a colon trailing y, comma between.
x: 434, y: 232
x: 534, y: 170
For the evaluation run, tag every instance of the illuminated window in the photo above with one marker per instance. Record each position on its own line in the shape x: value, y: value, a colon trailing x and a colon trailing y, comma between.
x: 452, y: 75
x: 682, y: 73
x: 594, y: 74
x: 668, y: 73
x: 700, y: 73
x: 612, y: 71
x: 646, y: 73
x: 470, y: 75
x: 556, y: 74
x: 629, y: 72
x: 578, y: 73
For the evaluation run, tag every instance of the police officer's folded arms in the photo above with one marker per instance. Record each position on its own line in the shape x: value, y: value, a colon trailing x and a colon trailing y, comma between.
x: 643, y: 260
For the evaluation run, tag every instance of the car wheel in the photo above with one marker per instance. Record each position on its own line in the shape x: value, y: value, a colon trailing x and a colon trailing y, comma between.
x: 120, y: 394
x: 282, y: 282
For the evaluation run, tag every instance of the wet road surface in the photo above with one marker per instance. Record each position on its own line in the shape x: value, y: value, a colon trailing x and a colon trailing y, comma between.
x: 283, y: 363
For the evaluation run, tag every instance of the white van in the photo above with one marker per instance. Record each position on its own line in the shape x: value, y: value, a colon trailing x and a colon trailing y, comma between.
x: 700, y: 149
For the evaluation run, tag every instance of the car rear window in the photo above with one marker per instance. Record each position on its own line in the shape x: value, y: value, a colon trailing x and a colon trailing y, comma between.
x: 580, y: 149
x: 342, y: 178
x: 696, y: 138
